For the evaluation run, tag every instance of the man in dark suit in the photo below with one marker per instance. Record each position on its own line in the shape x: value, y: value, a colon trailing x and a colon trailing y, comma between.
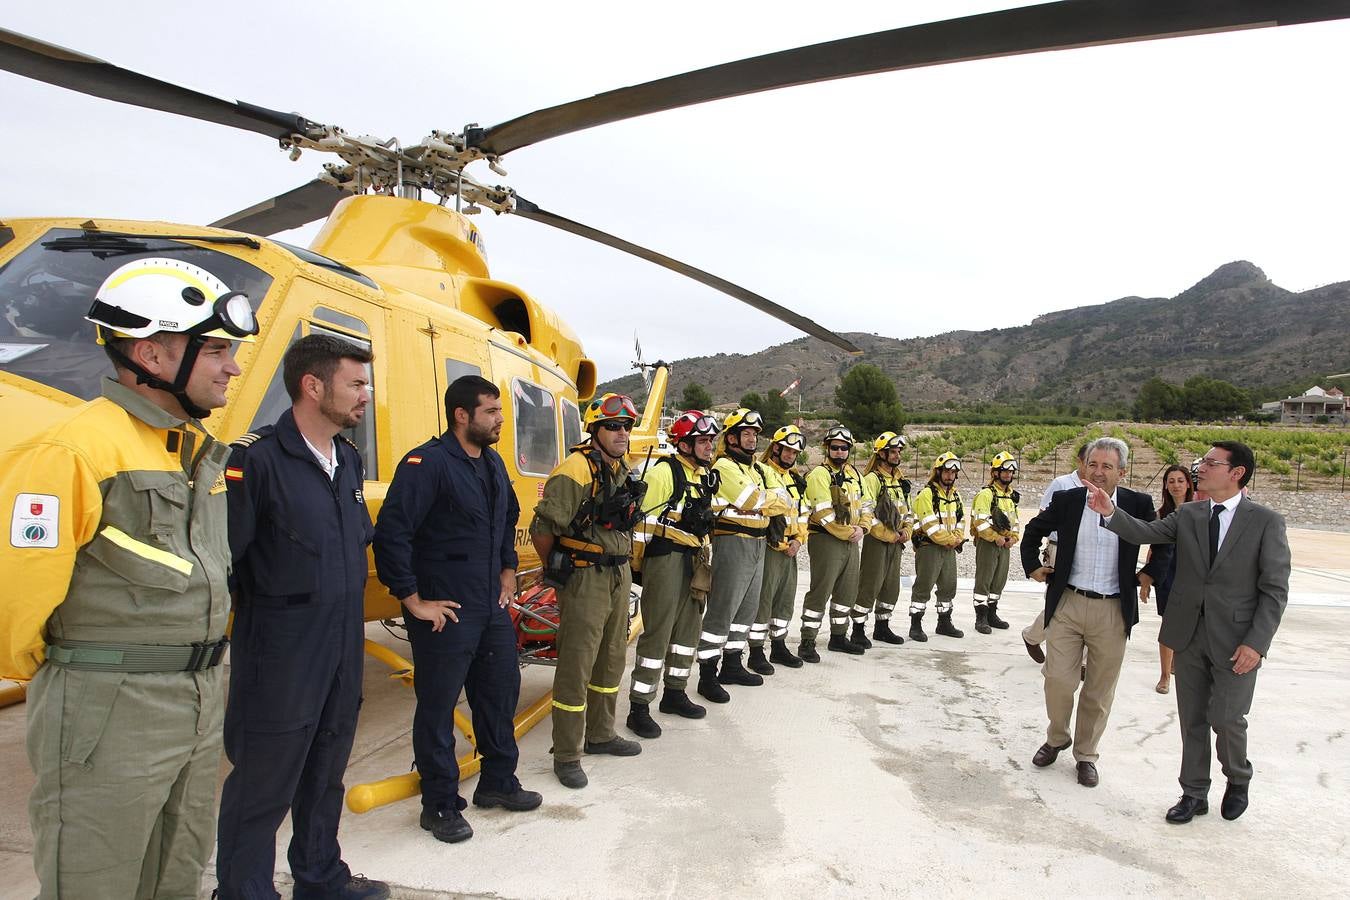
x: 1230, y: 591
x: 1092, y: 601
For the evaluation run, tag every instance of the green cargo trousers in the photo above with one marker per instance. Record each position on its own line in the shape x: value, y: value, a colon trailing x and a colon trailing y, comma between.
x: 777, y: 595
x: 834, y: 579
x: 933, y: 565
x: 737, y: 571
x: 878, y: 579
x: 592, y: 637
x: 126, y: 765
x: 991, y: 571
x: 671, y: 619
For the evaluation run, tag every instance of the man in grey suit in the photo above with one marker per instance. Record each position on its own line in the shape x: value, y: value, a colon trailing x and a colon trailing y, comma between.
x: 1231, y: 587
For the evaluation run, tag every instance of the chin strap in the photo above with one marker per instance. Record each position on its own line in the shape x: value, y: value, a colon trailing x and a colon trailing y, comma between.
x: 178, y: 387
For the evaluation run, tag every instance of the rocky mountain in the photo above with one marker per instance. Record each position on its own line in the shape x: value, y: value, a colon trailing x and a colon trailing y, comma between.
x: 1235, y: 325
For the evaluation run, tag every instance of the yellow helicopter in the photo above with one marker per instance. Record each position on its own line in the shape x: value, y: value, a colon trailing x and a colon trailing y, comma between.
x: 405, y: 274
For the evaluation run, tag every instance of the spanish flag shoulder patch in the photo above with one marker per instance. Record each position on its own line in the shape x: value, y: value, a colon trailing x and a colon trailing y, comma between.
x: 233, y: 473
x: 414, y: 460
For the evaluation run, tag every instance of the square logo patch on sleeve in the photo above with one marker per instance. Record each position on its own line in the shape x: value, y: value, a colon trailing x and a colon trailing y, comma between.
x: 35, y: 520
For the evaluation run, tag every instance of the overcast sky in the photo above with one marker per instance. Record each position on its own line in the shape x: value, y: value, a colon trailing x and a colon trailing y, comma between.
x: 966, y: 196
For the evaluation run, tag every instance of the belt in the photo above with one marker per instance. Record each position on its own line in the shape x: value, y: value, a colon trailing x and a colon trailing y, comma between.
x: 584, y: 558
x: 97, y: 656
x: 721, y: 529
x: 1093, y: 595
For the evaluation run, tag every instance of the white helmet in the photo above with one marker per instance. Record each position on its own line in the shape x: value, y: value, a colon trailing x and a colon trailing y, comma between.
x: 157, y: 294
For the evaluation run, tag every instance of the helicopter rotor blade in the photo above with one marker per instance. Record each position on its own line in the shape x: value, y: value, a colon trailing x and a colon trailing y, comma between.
x: 77, y: 71
x: 292, y: 209
x: 1031, y: 29
x: 528, y: 210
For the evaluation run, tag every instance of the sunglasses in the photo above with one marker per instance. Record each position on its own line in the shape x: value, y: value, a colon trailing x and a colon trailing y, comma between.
x: 617, y: 426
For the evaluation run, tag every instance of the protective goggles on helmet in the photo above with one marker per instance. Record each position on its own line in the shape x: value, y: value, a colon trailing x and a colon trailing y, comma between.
x: 744, y: 418
x: 839, y: 433
x: 693, y: 424
x: 615, y: 406
x: 791, y: 437
x: 888, y: 440
x: 231, y: 313
x: 951, y: 464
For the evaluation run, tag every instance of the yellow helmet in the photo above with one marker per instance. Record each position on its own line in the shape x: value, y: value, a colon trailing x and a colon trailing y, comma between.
x: 839, y: 433
x: 608, y: 407
x: 888, y: 440
x: 1003, y: 460
x: 789, y: 436
x: 947, y: 460
x: 743, y: 418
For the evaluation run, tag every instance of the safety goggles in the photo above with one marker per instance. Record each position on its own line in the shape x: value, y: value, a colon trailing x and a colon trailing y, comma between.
x: 752, y: 420
x: 231, y: 313
x: 794, y: 441
x: 703, y: 425
x: 618, y: 405
x: 952, y: 464
x: 1009, y: 466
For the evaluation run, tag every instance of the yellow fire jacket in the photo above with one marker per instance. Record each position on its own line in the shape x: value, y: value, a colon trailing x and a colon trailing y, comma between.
x: 781, y: 482
x: 820, y: 501
x: 744, y: 502
x: 939, y: 514
x: 662, y: 521
x: 874, y: 483
x: 110, y: 538
x: 982, y: 510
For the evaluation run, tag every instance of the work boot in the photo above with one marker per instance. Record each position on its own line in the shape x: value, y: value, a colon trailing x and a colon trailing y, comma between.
x: 946, y: 628
x: 916, y: 627
x: 678, y: 703
x: 782, y: 655
x: 840, y: 643
x: 859, y: 636
x: 759, y: 663
x: 708, y: 685
x: 733, y: 672
x: 806, y: 650
x: 615, y: 746
x: 994, y: 620
x: 570, y: 774
x: 446, y: 825
x: 882, y: 632
x: 981, y: 620
x: 357, y: 887
x: 641, y: 723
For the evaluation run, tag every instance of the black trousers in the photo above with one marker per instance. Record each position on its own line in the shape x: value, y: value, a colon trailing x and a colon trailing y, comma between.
x: 477, y: 655
x: 295, y: 691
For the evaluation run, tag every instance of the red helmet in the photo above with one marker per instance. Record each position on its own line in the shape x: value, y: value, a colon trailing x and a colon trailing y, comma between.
x: 691, y: 424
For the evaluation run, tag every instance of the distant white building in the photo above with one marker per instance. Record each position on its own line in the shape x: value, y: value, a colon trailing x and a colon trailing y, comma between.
x: 1314, y: 402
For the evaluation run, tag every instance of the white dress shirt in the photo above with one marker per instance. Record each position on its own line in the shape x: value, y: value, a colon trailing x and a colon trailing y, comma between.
x: 329, y: 462
x: 1096, y: 558
x: 1062, y: 483
x: 1226, y: 517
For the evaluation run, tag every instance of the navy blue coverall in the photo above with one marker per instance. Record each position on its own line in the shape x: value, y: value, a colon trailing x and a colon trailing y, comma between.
x: 298, y: 540
x: 446, y: 531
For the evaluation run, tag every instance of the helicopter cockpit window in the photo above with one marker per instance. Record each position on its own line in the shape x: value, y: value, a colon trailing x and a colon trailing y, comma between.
x: 571, y: 424
x: 276, y: 401
x: 536, y: 428
x: 47, y: 289
x: 332, y: 265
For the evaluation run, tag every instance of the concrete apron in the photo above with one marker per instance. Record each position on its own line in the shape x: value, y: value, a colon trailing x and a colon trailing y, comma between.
x: 903, y: 772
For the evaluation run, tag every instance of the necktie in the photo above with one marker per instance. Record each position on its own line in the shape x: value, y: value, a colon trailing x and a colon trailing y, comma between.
x: 1214, y: 533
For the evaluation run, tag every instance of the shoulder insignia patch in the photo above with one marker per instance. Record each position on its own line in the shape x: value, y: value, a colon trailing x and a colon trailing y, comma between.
x: 35, y: 521
x: 413, y: 460
x: 233, y: 473
x: 351, y: 443
x: 245, y: 440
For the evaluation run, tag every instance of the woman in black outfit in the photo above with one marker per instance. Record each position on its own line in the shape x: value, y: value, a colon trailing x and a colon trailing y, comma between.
x: 1176, y: 490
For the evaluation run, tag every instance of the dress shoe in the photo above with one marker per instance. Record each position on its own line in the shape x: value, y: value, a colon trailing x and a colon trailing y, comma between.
x: 678, y: 702
x: 1187, y: 808
x: 516, y: 799
x: 570, y: 774
x: 446, y: 825
x: 806, y: 652
x: 641, y: 723
x: 615, y: 746
x: 358, y: 887
x: 1034, y: 651
x: 1048, y: 754
x: 1087, y: 774
x: 1234, y: 801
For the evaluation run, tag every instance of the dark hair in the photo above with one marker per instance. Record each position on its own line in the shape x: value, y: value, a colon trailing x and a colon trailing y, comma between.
x: 466, y: 392
x: 1082, y: 451
x: 1168, y: 504
x: 318, y: 355
x: 1239, y: 454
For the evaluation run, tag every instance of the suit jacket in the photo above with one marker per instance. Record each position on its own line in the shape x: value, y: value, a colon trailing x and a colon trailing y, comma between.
x: 1242, y: 596
x: 1065, y: 515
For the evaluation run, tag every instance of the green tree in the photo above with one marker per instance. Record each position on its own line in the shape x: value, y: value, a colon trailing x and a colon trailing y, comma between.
x: 1158, y: 400
x: 772, y: 407
x: 695, y: 396
x: 867, y: 402
x: 1207, y: 399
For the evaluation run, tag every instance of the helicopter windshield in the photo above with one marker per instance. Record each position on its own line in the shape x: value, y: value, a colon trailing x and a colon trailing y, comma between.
x: 47, y: 289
